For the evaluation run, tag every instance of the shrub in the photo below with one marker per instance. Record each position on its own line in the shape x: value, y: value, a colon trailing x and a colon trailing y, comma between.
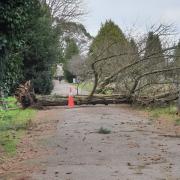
x: 43, y: 83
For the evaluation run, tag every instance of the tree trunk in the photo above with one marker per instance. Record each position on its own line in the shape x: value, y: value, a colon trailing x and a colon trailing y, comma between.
x: 103, y: 99
x: 178, y: 101
x: 95, y: 82
x: 81, y: 100
x: 77, y: 89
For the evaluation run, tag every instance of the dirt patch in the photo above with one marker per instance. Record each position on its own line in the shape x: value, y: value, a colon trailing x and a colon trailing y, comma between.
x: 168, y: 126
x: 162, y: 124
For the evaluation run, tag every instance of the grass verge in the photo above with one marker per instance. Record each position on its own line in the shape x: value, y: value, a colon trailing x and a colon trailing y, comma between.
x: 87, y: 86
x: 169, y: 112
x: 13, y: 124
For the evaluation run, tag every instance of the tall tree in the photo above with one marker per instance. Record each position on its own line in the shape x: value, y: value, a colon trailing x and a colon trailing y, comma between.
x: 176, y: 74
x: 29, y: 45
x: 109, y: 42
x: 42, y: 50
x: 177, y: 55
x: 13, y: 20
x: 154, y: 51
x: 155, y: 56
x: 71, y: 50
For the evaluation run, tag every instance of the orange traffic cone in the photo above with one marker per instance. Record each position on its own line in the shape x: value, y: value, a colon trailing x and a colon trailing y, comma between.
x: 70, y: 99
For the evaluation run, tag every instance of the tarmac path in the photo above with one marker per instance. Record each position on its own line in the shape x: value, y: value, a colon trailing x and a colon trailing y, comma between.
x: 63, y: 88
x: 134, y: 150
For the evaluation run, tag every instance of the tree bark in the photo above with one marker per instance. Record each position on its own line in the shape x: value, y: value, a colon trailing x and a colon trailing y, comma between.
x: 160, y: 100
x: 81, y: 100
x: 95, y: 81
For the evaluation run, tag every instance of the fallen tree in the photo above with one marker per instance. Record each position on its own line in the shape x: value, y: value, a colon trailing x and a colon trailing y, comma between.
x: 82, y: 100
x: 145, y: 101
x: 27, y: 98
x: 161, y: 100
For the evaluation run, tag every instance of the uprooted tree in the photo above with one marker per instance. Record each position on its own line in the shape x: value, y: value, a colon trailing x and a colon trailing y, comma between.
x: 25, y: 95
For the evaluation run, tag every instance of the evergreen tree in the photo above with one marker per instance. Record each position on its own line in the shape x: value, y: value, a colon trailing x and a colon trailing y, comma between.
x: 154, y: 58
x: 109, y: 33
x: 70, y: 51
x: 13, y: 20
x: 176, y: 63
x: 110, y: 41
x: 176, y: 75
x: 29, y: 45
x: 153, y: 52
x: 133, y: 50
x: 177, y: 55
x: 42, y: 50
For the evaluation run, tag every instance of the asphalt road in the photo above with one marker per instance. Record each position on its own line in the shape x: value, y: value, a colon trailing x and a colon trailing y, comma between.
x: 134, y: 150
x: 63, y: 88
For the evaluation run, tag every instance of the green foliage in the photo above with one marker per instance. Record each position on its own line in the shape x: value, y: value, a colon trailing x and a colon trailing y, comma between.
x: 177, y: 122
x: 29, y: 44
x: 70, y: 51
x: 155, y: 58
x: 133, y: 48
x: 9, y: 141
x: 153, y: 43
x: 164, y: 110
x: 168, y: 112
x: 154, y: 51
x: 176, y: 61
x: 12, y: 126
x: 86, y: 86
x: 109, y: 42
x: 10, y: 102
x: 43, y: 82
x: 42, y: 51
x: 14, y: 16
x: 177, y: 55
x: 13, y: 74
x: 15, y: 119
x: 109, y: 33
x: 68, y: 75
x: 74, y: 27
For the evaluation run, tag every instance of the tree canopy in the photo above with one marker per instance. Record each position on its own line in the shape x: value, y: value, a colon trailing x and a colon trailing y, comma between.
x: 70, y: 50
x: 30, y: 44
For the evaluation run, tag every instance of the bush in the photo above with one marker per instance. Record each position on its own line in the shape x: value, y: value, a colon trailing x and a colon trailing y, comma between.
x: 13, y: 124
x: 43, y: 83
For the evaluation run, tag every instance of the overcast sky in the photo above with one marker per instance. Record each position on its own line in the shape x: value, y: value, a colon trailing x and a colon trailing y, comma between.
x: 126, y: 13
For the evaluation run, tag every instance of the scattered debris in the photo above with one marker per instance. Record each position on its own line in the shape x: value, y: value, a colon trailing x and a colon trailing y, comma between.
x: 104, y: 131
